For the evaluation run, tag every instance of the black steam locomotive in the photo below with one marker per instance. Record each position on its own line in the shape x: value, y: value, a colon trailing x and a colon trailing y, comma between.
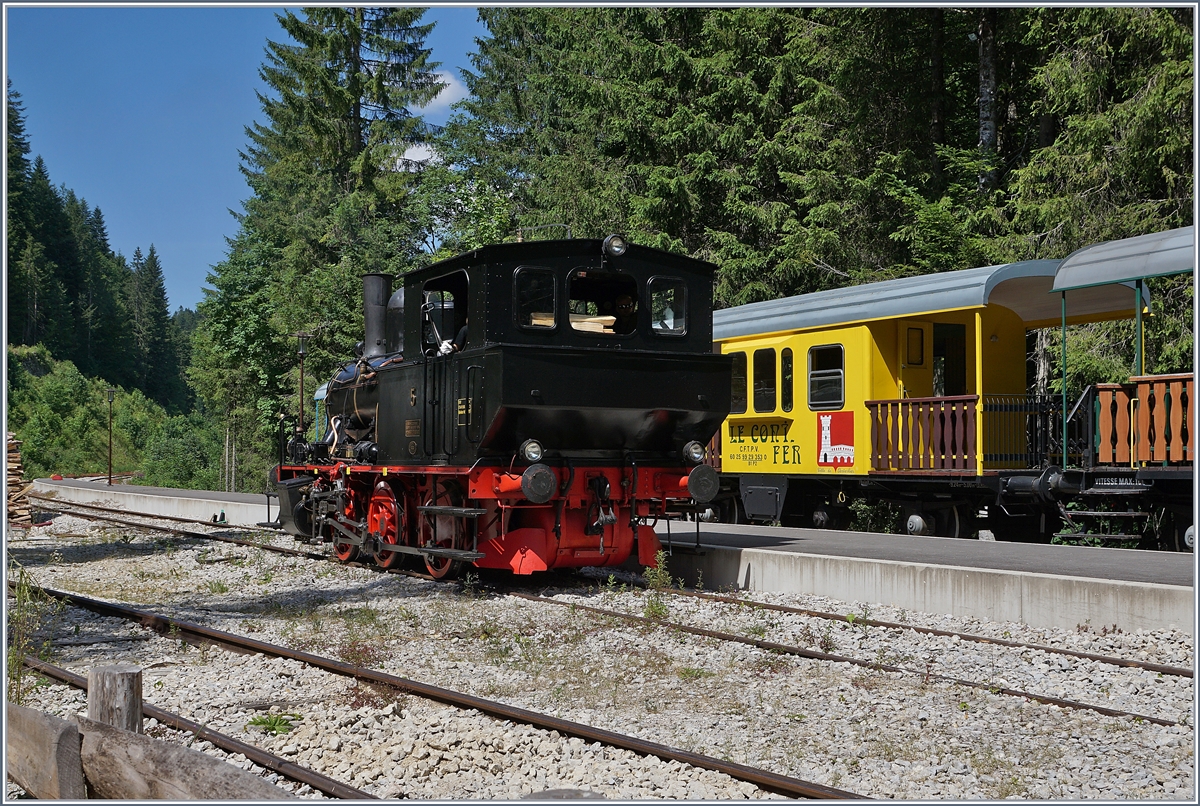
x: 524, y: 406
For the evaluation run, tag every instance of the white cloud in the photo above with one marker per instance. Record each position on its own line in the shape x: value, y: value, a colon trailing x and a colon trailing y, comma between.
x: 419, y: 153
x: 454, y: 92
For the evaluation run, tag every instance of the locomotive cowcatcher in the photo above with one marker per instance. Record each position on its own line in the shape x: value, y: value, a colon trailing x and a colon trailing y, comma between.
x: 524, y: 406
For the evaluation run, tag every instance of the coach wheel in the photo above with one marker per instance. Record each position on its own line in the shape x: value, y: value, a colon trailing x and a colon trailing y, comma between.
x: 385, y: 517
x: 444, y: 531
x: 955, y: 521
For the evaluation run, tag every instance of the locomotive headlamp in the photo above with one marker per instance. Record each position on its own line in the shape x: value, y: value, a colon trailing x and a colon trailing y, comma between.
x: 694, y: 452
x: 615, y: 246
x: 531, y: 449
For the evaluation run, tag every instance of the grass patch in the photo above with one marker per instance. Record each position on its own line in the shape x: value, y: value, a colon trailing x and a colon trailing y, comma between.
x: 273, y: 724
x: 29, y: 614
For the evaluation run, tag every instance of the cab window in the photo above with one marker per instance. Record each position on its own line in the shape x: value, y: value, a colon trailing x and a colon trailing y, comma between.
x: 826, y: 377
x: 764, y: 380
x: 444, y: 312
x: 737, y: 400
x: 535, y: 297
x: 668, y: 306
x: 603, y: 302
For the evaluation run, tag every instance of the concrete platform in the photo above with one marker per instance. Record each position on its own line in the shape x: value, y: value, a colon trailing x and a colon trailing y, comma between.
x: 1039, y: 585
x: 240, y: 509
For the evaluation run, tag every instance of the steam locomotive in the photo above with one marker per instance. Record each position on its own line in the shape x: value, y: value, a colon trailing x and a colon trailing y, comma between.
x: 524, y: 406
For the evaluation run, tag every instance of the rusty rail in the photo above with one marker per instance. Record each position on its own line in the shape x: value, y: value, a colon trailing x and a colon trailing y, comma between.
x: 764, y: 779
x: 287, y: 769
x: 923, y: 434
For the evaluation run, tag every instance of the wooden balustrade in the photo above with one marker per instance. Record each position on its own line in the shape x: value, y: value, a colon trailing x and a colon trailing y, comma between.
x: 1149, y: 420
x: 923, y: 434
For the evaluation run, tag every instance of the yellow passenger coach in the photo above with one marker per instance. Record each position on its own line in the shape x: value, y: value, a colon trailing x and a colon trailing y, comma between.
x: 912, y: 390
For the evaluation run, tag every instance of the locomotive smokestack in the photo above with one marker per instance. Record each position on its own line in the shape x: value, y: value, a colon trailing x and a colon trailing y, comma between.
x: 376, y: 289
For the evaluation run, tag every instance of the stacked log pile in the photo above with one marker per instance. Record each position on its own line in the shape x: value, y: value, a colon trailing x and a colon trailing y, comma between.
x: 18, y: 504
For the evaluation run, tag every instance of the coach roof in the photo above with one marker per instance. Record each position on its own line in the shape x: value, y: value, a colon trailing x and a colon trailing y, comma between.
x: 1023, y: 287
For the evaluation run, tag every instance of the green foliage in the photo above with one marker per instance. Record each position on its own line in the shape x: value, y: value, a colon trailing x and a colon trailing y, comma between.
x: 274, y: 724
x: 803, y: 149
x: 62, y: 418
x: 185, y: 453
x: 658, y: 577
x: 29, y: 612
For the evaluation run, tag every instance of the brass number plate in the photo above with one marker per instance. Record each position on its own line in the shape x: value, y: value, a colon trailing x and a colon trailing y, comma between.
x: 464, y: 411
x: 412, y: 428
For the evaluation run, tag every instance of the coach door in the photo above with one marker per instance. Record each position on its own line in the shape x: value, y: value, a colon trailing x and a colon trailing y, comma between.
x: 914, y: 343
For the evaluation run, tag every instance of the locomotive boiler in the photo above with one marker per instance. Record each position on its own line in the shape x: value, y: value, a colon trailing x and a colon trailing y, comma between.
x: 524, y: 406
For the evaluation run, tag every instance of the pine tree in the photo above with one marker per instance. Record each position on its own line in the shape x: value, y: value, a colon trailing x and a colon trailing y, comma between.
x: 330, y: 202
x: 51, y: 228
x: 21, y: 295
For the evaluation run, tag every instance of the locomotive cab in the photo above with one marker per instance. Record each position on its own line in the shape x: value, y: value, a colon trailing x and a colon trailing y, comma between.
x: 527, y: 405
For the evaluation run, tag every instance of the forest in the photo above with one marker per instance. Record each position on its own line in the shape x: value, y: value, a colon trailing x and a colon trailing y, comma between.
x: 798, y: 149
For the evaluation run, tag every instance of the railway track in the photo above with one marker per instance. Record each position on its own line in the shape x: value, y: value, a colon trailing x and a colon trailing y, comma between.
x: 270, y: 761
x: 1131, y: 663
x: 477, y: 596
x: 186, y: 630
x: 813, y: 654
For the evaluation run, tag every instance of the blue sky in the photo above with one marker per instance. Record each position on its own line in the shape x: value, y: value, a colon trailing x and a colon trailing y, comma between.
x: 142, y: 112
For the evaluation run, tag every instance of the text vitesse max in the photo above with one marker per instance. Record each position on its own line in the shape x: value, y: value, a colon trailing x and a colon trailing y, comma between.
x: 785, y: 451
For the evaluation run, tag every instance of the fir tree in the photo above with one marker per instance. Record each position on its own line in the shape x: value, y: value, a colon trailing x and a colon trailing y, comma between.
x: 330, y: 202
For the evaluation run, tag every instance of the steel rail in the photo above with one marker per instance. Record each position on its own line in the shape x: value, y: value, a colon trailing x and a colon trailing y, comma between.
x: 1178, y: 671
x: 816, y: 655
x: 259, y: 756
x: 176, y: 518
x: 764, y: 779
x: 311, y: 555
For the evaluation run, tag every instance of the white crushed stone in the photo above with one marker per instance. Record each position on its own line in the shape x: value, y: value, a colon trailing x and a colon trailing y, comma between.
x: 871, y: 732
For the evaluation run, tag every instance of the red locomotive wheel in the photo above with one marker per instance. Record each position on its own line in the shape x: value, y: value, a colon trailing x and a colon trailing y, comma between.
x: 345, y: 552
x: 444, y: 531
x: 385, y: 517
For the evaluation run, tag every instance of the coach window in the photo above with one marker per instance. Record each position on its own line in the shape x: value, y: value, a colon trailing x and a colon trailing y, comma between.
x: 764, y: 380
x: 916, y: 347
x: 603, y: 302
x: 668, y: 306
x: 535, y: 296
x: 785, y: 378
x: 737, y: 399
x: 826, y: 377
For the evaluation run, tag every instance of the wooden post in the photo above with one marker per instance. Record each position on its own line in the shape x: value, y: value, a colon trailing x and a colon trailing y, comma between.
x: 43, y: 754
x: 120, y: 765
x: 115, y: 696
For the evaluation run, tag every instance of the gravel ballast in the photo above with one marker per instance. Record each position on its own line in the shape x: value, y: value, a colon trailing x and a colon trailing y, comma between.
x: 876, y: 733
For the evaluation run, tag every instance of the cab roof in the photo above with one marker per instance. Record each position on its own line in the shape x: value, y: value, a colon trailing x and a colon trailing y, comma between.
x: 545, y: 250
